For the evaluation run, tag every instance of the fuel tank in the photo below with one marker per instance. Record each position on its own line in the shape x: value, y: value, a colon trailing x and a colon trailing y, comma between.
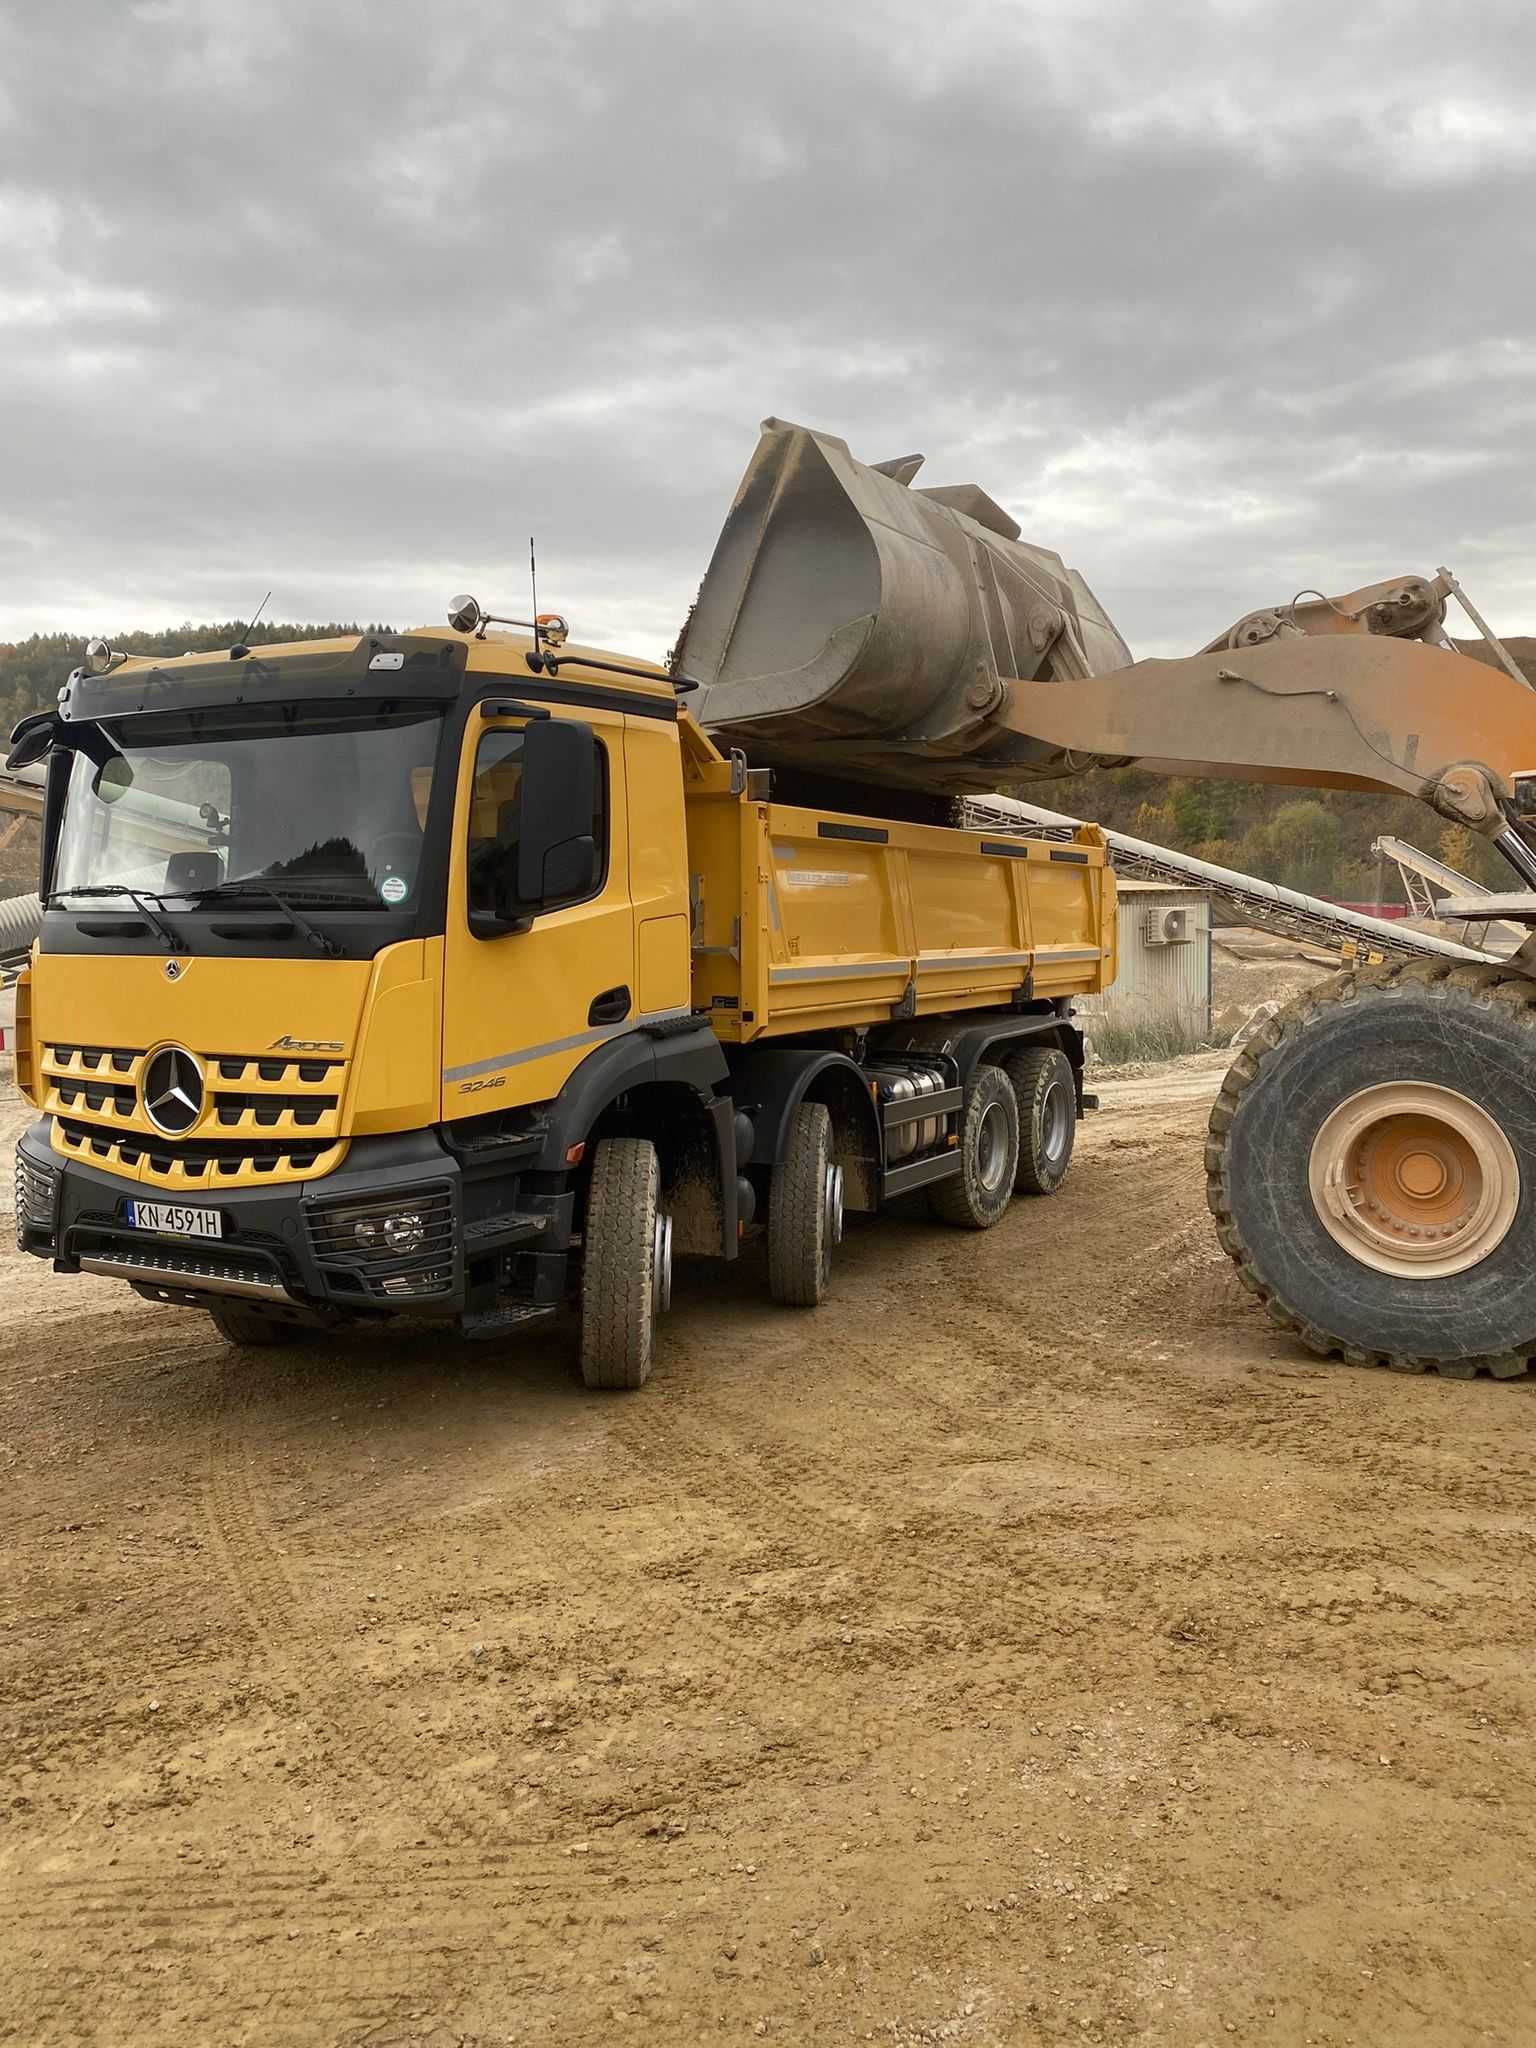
x: 851, y: 626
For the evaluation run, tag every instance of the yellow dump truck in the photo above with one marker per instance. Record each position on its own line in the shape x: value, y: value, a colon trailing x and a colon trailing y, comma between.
x: 458, y: 973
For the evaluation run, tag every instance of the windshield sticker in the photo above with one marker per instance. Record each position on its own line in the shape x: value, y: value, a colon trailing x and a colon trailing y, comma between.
x: 394, y: 888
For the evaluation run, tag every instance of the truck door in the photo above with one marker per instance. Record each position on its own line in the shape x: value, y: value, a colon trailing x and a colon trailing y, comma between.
x: 521, y: 1009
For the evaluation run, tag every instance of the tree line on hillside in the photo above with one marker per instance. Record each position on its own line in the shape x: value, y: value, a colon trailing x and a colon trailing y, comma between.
x: 1319, y: 843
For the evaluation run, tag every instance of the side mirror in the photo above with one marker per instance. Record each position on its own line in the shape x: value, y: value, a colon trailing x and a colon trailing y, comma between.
x: 112, y: 780
x: 556, y: 855
x: 32, y: 739
x: 570, y: 869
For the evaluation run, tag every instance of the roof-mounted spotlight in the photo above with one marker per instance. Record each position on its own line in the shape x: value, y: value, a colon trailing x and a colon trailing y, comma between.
x: 100, y: 659
x: 465, y: 615
x: 552, y: 629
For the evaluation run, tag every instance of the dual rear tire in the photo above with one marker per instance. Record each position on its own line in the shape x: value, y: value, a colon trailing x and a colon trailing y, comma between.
x: 1016, y: 1134
x: 805, y: 1210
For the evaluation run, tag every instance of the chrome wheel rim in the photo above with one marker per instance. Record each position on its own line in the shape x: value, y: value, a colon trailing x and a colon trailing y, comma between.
x: 992, y: 1148
x: 832, y: 1206
x: 661, y: 1265
x: 1055, y: 1122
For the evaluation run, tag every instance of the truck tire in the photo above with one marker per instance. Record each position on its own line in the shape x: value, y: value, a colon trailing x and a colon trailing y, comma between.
x: 805, y: 1210
x: 1047, y: 1098
x: 978, y: 1195
x: 626, y: 1266
x: 1372, y: 1168
x: 248, y: 1327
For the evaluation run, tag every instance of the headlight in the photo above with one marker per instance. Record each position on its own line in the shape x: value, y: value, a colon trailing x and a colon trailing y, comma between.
x: 404, y: 1231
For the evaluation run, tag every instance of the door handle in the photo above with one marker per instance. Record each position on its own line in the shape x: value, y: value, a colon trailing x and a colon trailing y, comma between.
x: 611, y: 1007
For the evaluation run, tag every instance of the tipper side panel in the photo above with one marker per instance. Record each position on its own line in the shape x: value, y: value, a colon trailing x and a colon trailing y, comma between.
x: 863, y: 920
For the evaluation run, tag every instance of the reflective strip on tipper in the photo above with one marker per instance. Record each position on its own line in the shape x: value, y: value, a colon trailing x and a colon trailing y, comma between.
x: 854, y: 967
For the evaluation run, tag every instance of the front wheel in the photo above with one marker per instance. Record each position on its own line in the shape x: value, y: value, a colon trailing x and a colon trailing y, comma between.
x: 626, y: 1266
x: 1372, y: 1168
x: 250, y: 1328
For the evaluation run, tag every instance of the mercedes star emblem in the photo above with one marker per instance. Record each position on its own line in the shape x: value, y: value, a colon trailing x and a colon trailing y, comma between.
x: 172, y: 1090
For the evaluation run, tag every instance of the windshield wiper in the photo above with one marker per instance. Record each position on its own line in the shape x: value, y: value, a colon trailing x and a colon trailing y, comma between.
x: 139, y: 898
x: 248, y: 885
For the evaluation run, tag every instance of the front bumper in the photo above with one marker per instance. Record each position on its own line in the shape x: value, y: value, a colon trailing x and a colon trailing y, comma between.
x: 295, y: 1246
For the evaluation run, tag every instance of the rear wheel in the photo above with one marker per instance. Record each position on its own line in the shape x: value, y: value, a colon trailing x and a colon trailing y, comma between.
x: 626, y: 1266
x: 979, y: 1194
x: 1372, y: 1168
x: 1047, y: 1098
x: 805, y: 1210
x: 248, y: 1327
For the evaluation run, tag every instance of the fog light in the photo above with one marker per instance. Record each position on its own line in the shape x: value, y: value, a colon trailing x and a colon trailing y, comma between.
x: 436, y: 1281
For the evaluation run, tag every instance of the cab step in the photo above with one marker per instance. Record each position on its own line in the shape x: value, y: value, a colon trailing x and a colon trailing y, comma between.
x: 496, y: 1322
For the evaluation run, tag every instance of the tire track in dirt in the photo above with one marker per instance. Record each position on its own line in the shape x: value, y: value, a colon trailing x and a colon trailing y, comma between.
x: 445, y: 1810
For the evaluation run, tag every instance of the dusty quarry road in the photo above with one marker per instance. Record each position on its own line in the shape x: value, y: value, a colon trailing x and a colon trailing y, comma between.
x: 1031, y: 1646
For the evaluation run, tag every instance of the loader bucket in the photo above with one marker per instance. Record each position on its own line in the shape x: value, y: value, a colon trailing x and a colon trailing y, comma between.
x: 851, y: 625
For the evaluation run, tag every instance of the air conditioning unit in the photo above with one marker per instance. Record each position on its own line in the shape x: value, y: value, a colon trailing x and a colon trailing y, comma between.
x: 1166, y: 927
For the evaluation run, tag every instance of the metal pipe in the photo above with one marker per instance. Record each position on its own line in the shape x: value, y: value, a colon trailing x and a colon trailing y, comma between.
x: 1482, y: 625
x: 1518, y: 854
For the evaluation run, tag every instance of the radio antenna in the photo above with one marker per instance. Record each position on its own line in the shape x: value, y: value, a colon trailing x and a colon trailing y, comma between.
x: 242, y: 645
x: 533, y: 583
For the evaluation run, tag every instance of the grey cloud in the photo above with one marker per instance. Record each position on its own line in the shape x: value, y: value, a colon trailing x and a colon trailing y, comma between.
x: 1221, y: 299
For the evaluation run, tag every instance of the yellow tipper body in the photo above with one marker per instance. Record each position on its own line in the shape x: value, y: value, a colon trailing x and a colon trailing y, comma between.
x: 807, y: 920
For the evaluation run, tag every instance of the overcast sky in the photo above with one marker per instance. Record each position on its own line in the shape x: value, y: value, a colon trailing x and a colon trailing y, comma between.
x: 1221, y: 298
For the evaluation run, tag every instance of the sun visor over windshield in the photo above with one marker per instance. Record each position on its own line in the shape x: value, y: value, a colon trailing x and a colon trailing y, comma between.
x: 375, y: 665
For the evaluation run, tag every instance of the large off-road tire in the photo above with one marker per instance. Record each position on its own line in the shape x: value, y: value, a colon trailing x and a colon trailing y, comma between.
x: 1372, y: 1168
x: 626, y: 1265
x: 1047, y: 1097
x: 245, y: 1327
x: 805, y: 1210
x: 978, y: 1195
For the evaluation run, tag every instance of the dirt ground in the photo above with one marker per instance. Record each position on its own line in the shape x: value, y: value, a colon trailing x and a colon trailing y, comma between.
x: 1031, y: 1646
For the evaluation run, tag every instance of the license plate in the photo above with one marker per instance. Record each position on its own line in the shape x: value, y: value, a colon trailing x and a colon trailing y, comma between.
x: 175, y: 1219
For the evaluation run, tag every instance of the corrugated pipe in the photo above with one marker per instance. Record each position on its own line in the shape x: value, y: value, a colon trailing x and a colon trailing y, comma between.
x: 21, y: 919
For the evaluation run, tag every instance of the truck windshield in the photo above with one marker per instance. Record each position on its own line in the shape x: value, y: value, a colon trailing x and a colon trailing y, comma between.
x: 320, y: 805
